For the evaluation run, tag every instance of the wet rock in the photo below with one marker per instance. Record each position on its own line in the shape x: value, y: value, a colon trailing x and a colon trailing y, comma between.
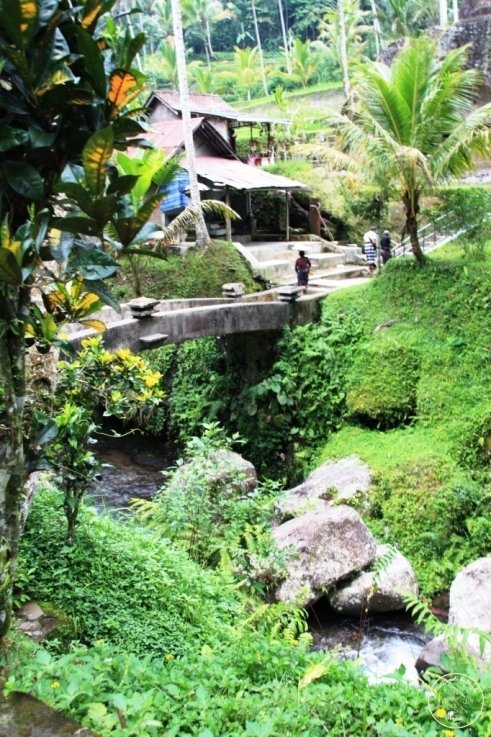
x: 326, y: 547
x: 430, y: 655
x: 334, y: 479
x: 224, y: 469
x: 21, y: 715
x: 371, y: 594
x: 470, y: 596
x: 34, y: 622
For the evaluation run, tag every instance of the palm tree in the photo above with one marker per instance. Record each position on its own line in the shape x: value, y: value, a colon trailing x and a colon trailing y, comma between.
x: 305, y: 61
x: 341, y: 33
x: 202, y: 237
x: 416, y: 124
x: 246, y: 68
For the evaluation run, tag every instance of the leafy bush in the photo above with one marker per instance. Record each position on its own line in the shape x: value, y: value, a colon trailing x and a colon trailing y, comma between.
x: 252, y: 687
x: 428, y: 510
x: 468, y: 208
x: 216, y: 514
x: 122, y: 583
x: 382, y: 383
x: 196, y: 274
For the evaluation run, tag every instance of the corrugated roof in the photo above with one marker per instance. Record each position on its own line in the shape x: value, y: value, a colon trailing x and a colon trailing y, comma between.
x: 202, y: 104
x: 235, y: 174
x: 168, y: 136
x: 211, y: 105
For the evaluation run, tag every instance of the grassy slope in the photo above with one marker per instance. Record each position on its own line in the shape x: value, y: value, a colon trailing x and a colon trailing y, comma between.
x: 196, y: 274
x: 431, y: 474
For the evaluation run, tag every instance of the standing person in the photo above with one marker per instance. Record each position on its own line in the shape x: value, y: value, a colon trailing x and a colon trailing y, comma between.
x: 370, y: 248
x: 385, y: 247
x: 302, y: 267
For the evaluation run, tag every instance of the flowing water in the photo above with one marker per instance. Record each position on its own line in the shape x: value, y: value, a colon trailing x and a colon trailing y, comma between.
x: 381, y: 643
x: 134, y: 466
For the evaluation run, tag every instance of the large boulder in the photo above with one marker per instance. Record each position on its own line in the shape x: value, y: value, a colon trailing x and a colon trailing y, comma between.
x: 384, y: 593
x: 227, y: 472
x: 470, y: 596
x: 341, y: 479
x: 326, y: 547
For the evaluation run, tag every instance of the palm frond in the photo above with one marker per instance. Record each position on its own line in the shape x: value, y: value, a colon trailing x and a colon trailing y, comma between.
x: 188, y: 218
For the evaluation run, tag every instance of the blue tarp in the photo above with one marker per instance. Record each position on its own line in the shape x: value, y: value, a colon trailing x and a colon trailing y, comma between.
x: 176, y: 197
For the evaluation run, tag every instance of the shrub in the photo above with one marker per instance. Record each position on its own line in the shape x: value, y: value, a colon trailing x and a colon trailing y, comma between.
x: 122, y: 583
x: 427, y: 509
x: 382, y: 383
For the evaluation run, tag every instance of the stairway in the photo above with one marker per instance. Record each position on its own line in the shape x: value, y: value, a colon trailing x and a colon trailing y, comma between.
x: 274, y: 262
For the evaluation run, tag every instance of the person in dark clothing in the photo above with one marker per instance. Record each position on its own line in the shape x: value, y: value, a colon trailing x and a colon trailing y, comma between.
x: 385, y: 247
x: 302, y: 267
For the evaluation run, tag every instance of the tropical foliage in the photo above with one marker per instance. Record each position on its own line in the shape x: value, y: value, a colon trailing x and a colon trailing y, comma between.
x: 416, y: 125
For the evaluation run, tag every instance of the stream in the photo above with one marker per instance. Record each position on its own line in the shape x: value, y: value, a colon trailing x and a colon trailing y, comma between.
x: 382, y: 643
x: 134, y: 466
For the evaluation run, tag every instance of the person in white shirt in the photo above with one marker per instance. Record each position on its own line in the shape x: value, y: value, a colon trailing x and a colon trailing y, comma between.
x: 370, y: 248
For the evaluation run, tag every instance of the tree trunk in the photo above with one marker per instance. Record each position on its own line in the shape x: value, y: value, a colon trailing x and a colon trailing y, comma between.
x: 343, y: 52
x: 411, y: 226
x: 377, y: 30
x: 285, y: 38
x: 443, y: 13
x: 202, y: 237
x: 12, y: 458
x: 259, y: 48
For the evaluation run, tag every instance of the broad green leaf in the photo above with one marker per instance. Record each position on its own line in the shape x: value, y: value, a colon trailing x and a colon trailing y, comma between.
x: 10, y: 271
x: 23, y: 179
x: 93, y: 60
x: 104, y: 293
x: 104, y: 208
x: 11, y: 137
x: 145, y: 233
x: 40, y: 139
x: 128, y: 228
x: 95, y: 158
x: 77, y: 194
x: 122, y: 185
x: 135, y: 45
x: 76, y: 224
x: 92, y: 264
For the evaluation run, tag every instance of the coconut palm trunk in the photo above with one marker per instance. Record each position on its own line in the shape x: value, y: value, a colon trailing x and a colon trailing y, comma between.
x: 411, y: 209
x: 202, y: 237
x: 285, y: 38
x: 343, y: 52
x: 259, y: 48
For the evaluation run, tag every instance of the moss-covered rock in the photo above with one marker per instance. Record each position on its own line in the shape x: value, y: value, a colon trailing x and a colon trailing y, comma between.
x: 383, y: 380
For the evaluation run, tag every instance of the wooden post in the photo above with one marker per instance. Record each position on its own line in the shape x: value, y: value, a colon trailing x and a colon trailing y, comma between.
x: 287, y: 216
x: 228, y: 222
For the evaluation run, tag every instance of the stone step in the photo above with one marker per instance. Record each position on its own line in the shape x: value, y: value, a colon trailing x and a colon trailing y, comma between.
x: 336, y: 274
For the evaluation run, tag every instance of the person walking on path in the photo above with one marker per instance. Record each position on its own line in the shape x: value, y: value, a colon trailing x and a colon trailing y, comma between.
x: 385, y: 247
x: 302, y: 268
x: 370, y: 248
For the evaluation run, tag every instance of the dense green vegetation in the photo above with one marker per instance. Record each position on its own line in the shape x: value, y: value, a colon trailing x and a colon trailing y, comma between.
x: 395, y: 371
x: 151, y: 641
x: 196, y: 274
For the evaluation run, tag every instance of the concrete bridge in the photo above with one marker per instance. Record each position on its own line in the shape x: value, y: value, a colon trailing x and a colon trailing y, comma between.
x: 144, y: 324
